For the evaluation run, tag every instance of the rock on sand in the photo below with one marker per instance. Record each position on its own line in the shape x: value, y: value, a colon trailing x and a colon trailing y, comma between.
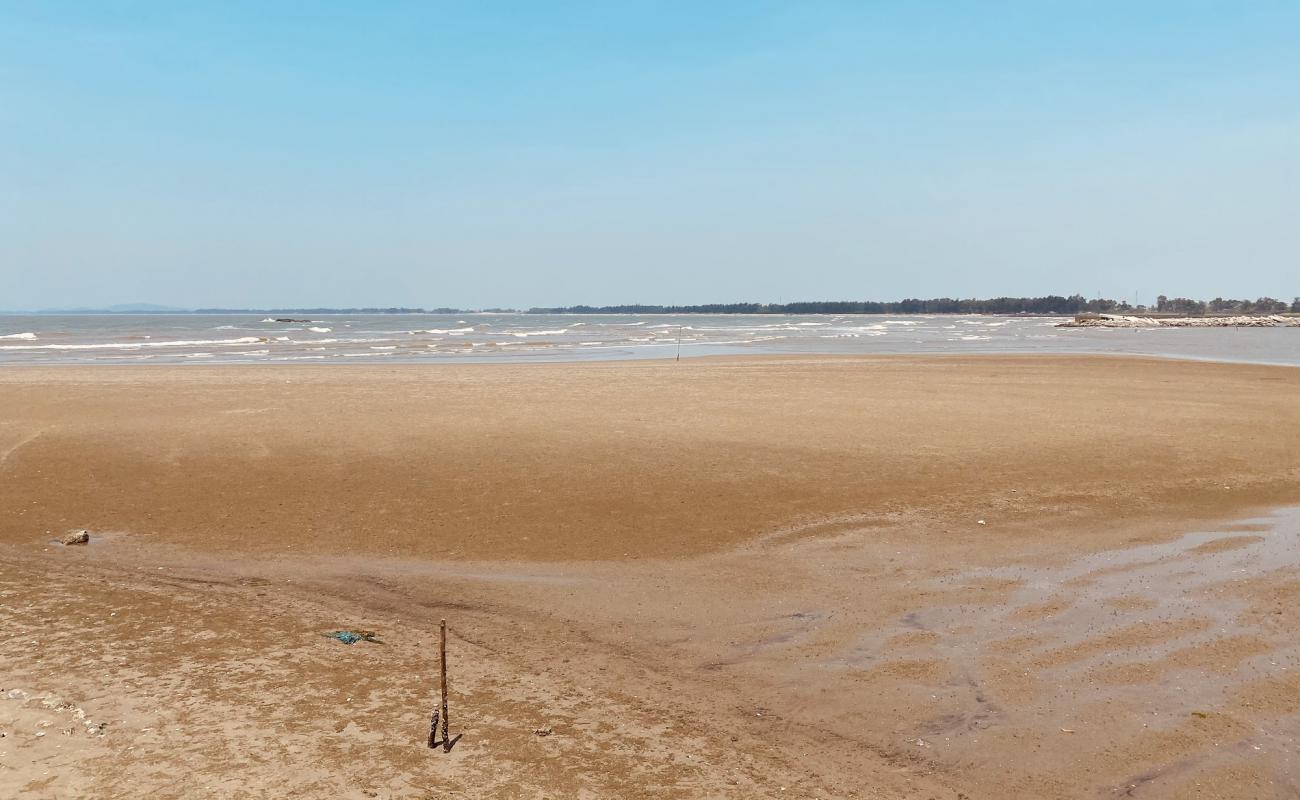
x: 76, y: 537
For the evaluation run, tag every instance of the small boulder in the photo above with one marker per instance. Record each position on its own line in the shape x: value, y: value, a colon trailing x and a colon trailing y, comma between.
x: 76, y: 537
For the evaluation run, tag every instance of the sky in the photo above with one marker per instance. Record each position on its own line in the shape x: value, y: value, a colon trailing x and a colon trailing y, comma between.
x: 478, y: 154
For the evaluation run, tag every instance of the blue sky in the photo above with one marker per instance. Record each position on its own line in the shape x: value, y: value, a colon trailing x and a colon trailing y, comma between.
x: 516, y: 154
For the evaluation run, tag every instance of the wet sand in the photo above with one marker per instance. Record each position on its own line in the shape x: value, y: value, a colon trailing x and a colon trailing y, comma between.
x: 785, y: 577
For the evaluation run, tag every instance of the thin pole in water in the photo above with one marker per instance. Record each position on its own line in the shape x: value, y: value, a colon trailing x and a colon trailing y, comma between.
x: 679, y: 342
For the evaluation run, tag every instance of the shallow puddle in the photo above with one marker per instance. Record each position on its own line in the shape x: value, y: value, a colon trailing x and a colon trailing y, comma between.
x: 1180, y: 654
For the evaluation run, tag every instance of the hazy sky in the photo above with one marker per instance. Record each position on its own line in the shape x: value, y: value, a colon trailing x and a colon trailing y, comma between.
x: 478, y: 153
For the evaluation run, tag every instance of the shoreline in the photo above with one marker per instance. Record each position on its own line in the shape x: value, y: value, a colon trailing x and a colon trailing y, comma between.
x: 515, y: 340
x: 561, y: 359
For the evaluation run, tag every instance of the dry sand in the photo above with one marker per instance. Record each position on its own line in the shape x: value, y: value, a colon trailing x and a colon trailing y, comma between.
x: 782, y: 577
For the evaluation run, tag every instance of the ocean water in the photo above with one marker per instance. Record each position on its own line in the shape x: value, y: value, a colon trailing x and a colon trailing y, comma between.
x: 353, y: 338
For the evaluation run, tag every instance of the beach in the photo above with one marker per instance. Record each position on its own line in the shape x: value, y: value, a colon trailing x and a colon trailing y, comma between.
x: 773, y: 576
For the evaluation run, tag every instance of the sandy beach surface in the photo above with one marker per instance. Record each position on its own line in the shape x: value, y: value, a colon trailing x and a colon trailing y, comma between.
x: 812, y: 577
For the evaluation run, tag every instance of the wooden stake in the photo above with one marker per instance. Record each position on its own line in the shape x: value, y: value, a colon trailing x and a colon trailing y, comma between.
x: 446, y: 740
x: 433, y: 727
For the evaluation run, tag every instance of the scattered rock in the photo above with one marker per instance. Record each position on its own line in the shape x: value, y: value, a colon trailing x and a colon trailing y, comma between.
x: 76, y: 537
x: 547, y: 731
x: 1135, y: 321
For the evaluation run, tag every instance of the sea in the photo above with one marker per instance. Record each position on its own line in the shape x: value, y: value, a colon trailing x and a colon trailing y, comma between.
x: 45, y: 339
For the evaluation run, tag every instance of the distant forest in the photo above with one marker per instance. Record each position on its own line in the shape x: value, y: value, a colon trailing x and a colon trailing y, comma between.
x: 1051, y: 304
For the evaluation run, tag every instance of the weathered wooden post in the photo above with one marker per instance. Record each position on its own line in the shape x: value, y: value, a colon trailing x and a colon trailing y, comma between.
x: 433, y: 720
x: 442, y: 648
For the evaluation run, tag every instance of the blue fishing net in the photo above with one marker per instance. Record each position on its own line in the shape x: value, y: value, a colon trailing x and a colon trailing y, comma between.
x: 352, y: 637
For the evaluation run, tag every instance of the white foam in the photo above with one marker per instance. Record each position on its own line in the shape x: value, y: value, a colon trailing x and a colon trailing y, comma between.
x: 522, y: 334
x: 376, y: 340
x: 138, y: 345
x: 445, y: 330
x: 26, y: 336
x: 731, y: 328
x: 320, y: 330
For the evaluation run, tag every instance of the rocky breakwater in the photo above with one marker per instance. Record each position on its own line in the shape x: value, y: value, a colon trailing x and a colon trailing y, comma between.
x: 1122, y: 321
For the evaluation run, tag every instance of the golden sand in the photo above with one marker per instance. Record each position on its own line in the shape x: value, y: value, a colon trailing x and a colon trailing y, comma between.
x: 714, y: 578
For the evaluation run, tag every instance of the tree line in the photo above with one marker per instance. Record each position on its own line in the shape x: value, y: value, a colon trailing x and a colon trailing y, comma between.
x: 1195, y: 308
x: 1049, y: 304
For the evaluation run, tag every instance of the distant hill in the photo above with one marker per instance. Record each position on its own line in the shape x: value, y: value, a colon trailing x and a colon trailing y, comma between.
x: 394, y: 310
x: 144, y: 308
x: 121, y: 308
